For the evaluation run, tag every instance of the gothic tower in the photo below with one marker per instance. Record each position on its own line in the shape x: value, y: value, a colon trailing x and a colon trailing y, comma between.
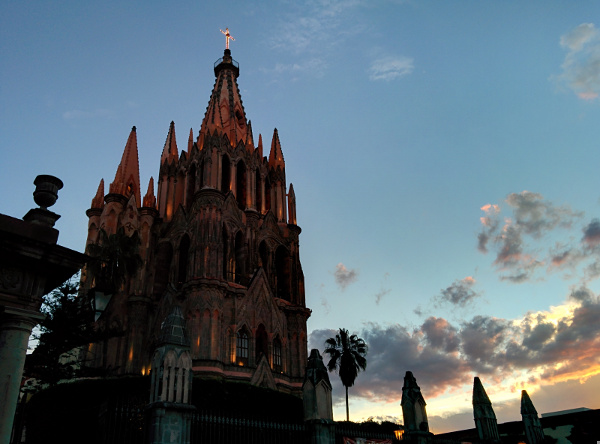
x: 219, y: 240
x: 485, y: 418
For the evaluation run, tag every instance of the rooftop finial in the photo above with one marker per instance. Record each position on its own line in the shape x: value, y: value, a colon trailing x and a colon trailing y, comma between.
x: 227, y: 37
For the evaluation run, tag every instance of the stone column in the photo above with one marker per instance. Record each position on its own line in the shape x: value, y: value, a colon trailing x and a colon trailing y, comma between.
x: 15, y: 328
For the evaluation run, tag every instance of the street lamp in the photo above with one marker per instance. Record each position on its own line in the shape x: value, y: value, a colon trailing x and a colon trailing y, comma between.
x: 99, y: 301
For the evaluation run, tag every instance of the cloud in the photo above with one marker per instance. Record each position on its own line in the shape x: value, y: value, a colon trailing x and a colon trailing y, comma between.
x: 546, y: 347
x: 317, y: 338
x: 582, y: 294
x: 326, y: 306
x: 344, y: 276
x: 516, y: 236
x: 390, y: 68
x: 439, y: 334
x: 581, y: 67
x: 460, y: 293
x: 316, y: 66
x: 591, y: 234
x: 381, y: 293
x: 535, y: 216
x: 490, y: 223
x: 317, y: 28
x: 310, y: 29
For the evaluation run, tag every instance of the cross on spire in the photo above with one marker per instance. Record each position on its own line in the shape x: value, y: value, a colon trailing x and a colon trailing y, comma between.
x: 227, y: 37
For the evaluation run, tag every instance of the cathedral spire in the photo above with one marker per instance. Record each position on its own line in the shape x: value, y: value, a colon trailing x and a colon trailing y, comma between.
x: 98, y: 200
x: 170, y: 151
x: 276, y: 155
x: 127, y: 179
x: 225, y: 112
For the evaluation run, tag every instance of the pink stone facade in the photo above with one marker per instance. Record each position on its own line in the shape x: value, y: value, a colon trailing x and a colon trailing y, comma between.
x: 220, y: 241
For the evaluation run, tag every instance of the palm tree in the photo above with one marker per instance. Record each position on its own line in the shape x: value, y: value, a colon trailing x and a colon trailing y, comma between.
x: 347, y: 355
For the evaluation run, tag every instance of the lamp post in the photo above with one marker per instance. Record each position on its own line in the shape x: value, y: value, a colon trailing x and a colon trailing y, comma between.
x: 99, y: 300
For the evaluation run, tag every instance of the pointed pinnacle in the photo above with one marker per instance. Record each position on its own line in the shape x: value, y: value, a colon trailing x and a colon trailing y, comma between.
x: 276, y: 155
x: 479, y: 394
x: 98, y: 200
x: 526, y: 404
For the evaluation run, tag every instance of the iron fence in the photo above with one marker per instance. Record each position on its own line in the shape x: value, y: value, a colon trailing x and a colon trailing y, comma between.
x: 207, y: 427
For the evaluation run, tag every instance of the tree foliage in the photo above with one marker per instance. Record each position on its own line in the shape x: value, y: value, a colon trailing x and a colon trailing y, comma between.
x: 347, y: 355
x: 69, y: 325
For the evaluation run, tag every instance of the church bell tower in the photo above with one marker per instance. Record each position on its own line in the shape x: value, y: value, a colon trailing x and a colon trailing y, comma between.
x: 219, y: 240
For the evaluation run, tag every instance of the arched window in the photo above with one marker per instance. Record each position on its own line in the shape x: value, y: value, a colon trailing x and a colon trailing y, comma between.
x: 283, y: 269
x: 240, y: 185
x: 184, y: 251
x: 277, y: 364
x: 262, y: 343
x: 241, y: 350
x: 225, y: 174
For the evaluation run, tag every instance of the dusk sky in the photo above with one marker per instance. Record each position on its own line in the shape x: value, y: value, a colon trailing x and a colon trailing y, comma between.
x: 445, y: 157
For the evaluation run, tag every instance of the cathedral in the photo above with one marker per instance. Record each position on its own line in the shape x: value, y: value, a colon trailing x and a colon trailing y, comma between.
x: 219, y: 240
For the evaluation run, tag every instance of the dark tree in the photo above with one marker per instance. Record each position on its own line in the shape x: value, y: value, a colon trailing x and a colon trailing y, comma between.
x: 67, y: 327
x: 347, y: 355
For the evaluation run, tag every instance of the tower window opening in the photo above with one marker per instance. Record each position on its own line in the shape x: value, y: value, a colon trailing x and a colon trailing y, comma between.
x: 242, y: 348
x: 240, y: 118
x: 277, y: 355
x: 240, y: 185
x: 261, y: 342
x: 225, y: 175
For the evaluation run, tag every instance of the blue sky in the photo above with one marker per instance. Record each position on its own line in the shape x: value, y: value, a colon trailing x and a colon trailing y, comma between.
x: 444, y: 157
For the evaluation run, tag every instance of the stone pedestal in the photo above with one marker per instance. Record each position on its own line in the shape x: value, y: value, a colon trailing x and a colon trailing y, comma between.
x: 170, y: 423
x: 316, y: 396
x: 418, y: 437
x: 321, y: 431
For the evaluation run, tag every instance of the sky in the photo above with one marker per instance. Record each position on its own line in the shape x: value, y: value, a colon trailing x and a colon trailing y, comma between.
x: 444, y: 157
